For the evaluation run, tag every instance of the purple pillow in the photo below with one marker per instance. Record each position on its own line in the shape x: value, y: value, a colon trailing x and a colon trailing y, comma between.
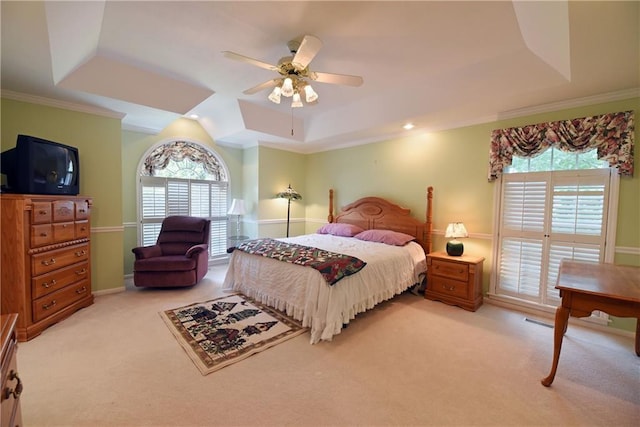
x: 389, y: 237
x: 344, y: 230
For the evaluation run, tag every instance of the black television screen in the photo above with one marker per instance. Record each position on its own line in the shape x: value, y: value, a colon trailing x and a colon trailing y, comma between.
x: 39, y: 166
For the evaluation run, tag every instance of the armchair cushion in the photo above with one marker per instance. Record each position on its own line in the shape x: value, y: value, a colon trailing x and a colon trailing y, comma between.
x: 166, y: 263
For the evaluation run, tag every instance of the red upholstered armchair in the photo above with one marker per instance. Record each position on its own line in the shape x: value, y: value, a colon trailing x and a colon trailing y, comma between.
x: 179, y: 257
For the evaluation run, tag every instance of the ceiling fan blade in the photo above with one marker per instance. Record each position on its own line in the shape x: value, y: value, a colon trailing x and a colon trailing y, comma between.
x: 337, y: 79
x: 242, y: 58
x: 308, y: 49
x: 262, y: 86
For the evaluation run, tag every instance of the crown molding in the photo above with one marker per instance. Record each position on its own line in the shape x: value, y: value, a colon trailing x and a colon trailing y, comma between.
x: 40, y: 100
x: 571, y: 103
x: 140, y: 129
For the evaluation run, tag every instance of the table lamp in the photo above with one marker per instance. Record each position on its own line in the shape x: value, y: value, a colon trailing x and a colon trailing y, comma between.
x: 237, y: 208
x: 455, y: 230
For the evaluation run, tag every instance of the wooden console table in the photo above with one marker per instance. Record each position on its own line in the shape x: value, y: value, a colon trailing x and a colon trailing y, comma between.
x: 585, y: 287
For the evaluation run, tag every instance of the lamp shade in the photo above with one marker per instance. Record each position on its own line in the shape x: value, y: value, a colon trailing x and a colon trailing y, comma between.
x: 456, y: 230
x: 289, y: 193
x: 237, y: 207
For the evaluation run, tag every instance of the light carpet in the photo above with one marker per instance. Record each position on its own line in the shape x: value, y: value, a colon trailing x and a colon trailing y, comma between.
x: 225, y: 330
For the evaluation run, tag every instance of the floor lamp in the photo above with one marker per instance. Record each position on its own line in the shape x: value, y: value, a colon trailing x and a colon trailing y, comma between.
x: 289, y: 194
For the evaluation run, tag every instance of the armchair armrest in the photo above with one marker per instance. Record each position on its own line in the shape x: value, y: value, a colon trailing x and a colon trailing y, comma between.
x: 195, y: 250
x: 143, y: 252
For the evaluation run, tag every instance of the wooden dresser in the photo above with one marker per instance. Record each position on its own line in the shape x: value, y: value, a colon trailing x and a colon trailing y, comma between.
x: 46, y: 268
x: 455, y: 280
x: 11, y: 383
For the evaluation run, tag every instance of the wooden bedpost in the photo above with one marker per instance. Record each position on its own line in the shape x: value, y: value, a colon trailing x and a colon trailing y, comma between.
x: 429, y: 216
x: 330, y: 217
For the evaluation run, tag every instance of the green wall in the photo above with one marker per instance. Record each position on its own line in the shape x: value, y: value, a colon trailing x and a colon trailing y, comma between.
x: 98, y: 139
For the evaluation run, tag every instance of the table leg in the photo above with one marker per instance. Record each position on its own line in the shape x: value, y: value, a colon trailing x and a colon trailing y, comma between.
x: 638, y: 337
x: 560, y: 327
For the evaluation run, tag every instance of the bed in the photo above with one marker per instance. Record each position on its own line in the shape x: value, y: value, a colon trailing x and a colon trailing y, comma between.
x: 305, y: 294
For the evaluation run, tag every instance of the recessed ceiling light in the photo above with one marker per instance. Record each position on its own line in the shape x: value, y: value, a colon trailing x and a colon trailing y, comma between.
x: 193, y: 116
x: 408, y: 126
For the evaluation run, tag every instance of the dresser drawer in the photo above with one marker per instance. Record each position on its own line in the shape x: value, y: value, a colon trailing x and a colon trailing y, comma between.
x: 58, y: 279
x: 53, y: 260
x: 64, y: 210
x: 56, y: 301
x: 11, y: 384
x: 41, y: 213
x: 64, y: 231
x: 41, y: 235
x: 82, y: 210
x: 82, y: 229
x: 453, y: 270
x: 450, y: 287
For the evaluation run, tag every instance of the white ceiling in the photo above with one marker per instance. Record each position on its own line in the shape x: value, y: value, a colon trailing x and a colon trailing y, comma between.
x: 436, y: 64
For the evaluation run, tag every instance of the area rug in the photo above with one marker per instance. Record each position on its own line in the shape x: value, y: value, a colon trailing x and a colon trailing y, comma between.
x: 228, y: 329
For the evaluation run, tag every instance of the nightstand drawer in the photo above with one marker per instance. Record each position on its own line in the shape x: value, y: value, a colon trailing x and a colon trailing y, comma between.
x: 449, y: 269
x: 448, y: 287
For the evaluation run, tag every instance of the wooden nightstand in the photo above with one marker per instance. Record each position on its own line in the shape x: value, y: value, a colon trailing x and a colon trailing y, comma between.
x: 455, y: 280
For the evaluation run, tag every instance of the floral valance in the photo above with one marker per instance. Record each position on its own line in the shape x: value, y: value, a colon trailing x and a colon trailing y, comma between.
x: 612, y: 134
x: 178, y: 150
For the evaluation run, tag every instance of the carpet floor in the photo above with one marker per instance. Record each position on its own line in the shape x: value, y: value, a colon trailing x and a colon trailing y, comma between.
x: 409, y: 361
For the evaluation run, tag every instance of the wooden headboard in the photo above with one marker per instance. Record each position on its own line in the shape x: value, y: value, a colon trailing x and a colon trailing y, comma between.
x: 378, y: 213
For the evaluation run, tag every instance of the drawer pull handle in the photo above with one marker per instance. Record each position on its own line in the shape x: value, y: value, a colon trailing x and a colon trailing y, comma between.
x: 50, y: 262
x: 16, y: 392
x: 81, y: 253
x: 49, y: 284
x: 81, y: 291
x: 42, y: 212
x: 49, y: 306
x: 81, y: 272
x: 43, y: 234
x: 449, y: 288
x: 82, y: 210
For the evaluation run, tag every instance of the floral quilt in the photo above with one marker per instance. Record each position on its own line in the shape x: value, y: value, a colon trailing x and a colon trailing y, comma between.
x: 332, y: 266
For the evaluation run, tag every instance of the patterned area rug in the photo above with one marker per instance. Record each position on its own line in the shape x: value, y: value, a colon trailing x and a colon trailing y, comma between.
x: 225, y: 330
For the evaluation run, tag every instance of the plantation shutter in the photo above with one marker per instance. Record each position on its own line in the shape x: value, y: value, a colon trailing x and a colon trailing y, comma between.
x: 154, y: 209
x: 162, y: 197
x: 578, y: 224
x: 218, y: 205
x: 522, y: 234
x: 547, y: 217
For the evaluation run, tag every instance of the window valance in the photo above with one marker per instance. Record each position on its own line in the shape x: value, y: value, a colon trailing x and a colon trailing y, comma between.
x: 612, y: 134
x: 178, y: 150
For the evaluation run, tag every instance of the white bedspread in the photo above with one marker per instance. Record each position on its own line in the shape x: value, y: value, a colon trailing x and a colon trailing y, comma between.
x: 303, y: 293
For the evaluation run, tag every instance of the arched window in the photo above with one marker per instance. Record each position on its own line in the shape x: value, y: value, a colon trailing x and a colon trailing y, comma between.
x: 183, y: 178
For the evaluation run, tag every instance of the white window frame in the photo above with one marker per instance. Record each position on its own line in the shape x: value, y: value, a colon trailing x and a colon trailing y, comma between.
x: 608, y: 251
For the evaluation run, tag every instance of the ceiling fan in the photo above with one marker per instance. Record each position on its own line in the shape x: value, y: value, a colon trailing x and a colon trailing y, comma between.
x: 294, y: 72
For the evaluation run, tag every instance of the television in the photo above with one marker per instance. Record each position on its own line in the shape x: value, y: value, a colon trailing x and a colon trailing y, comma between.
x: 39, y: 166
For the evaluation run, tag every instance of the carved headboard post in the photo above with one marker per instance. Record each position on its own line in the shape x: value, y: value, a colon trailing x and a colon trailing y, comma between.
x: 330, y: 217
x: 429, y: 217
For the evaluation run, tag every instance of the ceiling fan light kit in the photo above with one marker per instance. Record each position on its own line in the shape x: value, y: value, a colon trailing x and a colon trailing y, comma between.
x: 295, y: 72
